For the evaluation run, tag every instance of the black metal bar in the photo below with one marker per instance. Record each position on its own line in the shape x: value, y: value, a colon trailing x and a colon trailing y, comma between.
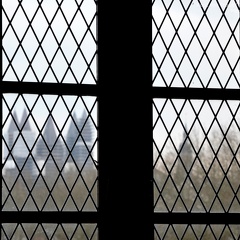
x: 92, y: 90
x: 196, y: 218
x: 49, y: 217
x: 125, y: 119
x: 196, y: 93
x: 93, y: 217
x: 49, y: 88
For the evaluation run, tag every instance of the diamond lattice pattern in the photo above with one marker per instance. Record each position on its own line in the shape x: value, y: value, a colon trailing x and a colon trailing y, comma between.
x: 196, y: 155
x: 49, y: 153
x: 49, y: 41
x: 49, y: 231
x: 196, y: 43
x: 195, y: 232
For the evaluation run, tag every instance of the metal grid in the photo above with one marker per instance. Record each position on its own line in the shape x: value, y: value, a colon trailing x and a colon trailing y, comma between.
x: 196, y: 43
x: 196, y: 57
x: 192, y: 232
x: 49, y: 125
x: 47, y: 41
x: 197, y: 162
x: 49, y: 231
x: 49, y: 153
x: 215, y: 79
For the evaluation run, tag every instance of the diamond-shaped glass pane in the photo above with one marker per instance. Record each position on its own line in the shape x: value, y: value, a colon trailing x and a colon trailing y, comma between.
x: 49, y: 153
x: 196, y: 155
x: 195, y: 232
x: 196, y: 43
x: 49, y: 231
x: 49, y: 41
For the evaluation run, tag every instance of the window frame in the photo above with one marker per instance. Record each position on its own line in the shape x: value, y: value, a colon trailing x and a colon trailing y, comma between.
x: 125, y: 197
x: 47, y: 216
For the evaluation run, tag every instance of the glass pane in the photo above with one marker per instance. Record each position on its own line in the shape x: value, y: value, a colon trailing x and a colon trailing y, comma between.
x: 196, y: 43
x: 49, y: 41
x: 195, y: 232
x: 196, y: 155
x: 49, y: 153
x: 49, y: 231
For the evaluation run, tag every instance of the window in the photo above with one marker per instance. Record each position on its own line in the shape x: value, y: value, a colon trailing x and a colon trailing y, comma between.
x: 196, y: 119
x: 120, y: 119
x: 49, y: 120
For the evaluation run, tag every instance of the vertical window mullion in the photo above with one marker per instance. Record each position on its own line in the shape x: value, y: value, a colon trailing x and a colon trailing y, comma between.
x: 125, y: 120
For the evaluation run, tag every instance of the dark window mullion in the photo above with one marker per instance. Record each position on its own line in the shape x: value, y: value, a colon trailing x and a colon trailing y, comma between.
x: 52, y: 89
x: 196, y: 93
x: 125, y: 120
x: 49, y: 88
x: 49, y: 217
x: 196, y: 218
x: 190, y: 217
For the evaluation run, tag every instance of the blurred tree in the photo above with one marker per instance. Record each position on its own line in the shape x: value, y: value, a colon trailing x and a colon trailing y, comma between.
x: 204, y: 176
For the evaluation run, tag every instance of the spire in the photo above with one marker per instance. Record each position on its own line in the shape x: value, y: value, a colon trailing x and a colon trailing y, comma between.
x: 72, y: 134
x: 48, y: 143
x: 185, y: 149
x: 186, y: 158
x: 13, y: 127
x: 49, y: 133
x: 85, y: 126
x: 72, y: 137
x: 85, y: 141
x: 24, y: 121
x: 79, y: 138
x: 49, y: 136
x: 13, y: 123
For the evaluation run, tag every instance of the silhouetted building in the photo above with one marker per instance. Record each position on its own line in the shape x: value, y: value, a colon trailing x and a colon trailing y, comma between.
x: 12, y: 129
x: 79, y: 142
x: 185, y: 158
x: 49, y: 151
x: 20, y: 140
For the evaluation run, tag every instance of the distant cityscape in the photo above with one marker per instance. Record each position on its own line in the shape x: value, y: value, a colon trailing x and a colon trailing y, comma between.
x: 47, y: 151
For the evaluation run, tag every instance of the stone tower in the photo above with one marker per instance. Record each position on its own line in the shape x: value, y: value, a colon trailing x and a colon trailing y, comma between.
x: 79, y: 140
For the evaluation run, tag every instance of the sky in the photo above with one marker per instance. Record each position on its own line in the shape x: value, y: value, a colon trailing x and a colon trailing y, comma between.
x: 49, y: 42
x: 221, y: 53
x: 74, y: 55
x: 172, y: 20
x: 33, y: 58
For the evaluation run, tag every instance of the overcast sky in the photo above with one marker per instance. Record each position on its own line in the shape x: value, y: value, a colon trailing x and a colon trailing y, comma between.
x: 214, y: 20
x: 33, y: 58
x: 79, y: 50
x: 172, y: 16
x: 73, y: 54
